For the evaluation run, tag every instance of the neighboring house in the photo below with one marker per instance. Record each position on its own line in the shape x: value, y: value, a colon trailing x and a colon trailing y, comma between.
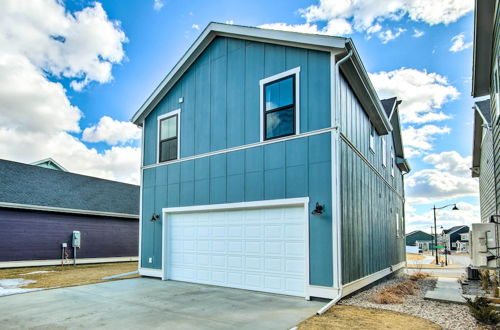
x: 265, y: 168
x: 49, y: 163
x: 450, y: 237
x: 417, y: 235
x: 41, y: 207
x: 486, y: 83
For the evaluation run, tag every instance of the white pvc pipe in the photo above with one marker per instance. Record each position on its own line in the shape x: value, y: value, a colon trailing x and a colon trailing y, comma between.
x: 337, y: 193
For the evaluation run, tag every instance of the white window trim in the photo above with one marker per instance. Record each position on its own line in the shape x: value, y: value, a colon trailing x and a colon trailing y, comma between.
x: 262, y: 82
x: 166, y: 115
x: 372, y: 138
x: 384, y: 151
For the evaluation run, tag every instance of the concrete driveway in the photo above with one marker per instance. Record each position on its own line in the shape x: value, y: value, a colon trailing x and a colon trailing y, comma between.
x: 144, y: 303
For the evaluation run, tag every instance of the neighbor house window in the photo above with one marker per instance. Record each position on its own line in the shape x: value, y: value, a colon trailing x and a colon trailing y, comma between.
x: 279, y: 102
x: 168, y: 137
x: 372, y: 138
x: 384, y: 151
x: 393, y: 161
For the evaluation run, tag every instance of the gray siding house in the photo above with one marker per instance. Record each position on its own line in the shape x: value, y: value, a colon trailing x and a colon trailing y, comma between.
x: 486, y: 83
x: 41, y: 206
x: 270, y: 164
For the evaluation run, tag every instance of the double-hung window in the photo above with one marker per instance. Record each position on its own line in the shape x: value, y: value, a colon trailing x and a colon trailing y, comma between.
x: 279, y: 102
x: 168, y: 137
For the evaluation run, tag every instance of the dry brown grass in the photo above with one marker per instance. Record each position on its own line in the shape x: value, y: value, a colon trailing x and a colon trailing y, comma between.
x: 69, y: 275
x: 414, y: 256
x: 394, y: 294
x: 419, y: 276
x: 351, y: 317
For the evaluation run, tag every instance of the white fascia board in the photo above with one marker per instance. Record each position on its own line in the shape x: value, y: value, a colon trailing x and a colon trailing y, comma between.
x: 67, y: 210
x: 302, y: 40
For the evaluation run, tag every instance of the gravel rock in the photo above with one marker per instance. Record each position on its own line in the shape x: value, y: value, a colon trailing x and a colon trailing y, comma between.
x: 447, y: 315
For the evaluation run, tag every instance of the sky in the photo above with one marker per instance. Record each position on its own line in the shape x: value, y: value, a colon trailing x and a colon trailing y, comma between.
x: 72, y: 74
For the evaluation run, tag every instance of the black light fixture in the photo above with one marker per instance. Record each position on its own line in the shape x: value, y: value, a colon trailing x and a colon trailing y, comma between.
x: 155, y: 217
x: 318, y: 210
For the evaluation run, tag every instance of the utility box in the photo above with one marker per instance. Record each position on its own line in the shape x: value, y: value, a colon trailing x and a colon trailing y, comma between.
x: 485, y: 249
x: 76, y: 238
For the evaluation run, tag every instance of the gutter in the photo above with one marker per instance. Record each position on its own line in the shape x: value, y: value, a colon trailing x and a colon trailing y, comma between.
x: 337, y: 189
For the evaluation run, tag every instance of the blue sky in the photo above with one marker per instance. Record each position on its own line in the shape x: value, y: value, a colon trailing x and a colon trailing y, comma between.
x: 409, y: 43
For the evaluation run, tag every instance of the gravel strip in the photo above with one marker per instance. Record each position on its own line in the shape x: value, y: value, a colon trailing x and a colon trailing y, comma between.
x: 449, y: 316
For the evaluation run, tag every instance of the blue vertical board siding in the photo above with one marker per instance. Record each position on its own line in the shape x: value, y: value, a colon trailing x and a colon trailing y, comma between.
x: 289, y: 169
x: 235, y: 93
x: 221, y: 109
x: 221, y: 95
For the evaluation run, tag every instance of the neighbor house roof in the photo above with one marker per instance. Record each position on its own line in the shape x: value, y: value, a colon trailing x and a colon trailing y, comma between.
x: 453, y: 229
x: 484, y: 17
x: 353, y: 68
x: 32, y: 187
x: 482, y: 120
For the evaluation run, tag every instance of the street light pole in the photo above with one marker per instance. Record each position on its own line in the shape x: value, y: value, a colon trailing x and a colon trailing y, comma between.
x: 435, y: 236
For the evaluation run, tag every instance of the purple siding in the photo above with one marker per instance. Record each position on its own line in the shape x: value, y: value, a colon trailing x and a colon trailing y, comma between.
x: 37, y: 235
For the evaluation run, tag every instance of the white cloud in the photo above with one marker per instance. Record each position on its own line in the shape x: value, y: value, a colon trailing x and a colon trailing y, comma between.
x: 459, y: 43
x: 420, y: 140
x: 111, y: 131
x: 388, y: 35
x: 39, y: 44
x: 195, y: 26
x: 346, y: 16
x: 466, y: 215
x: 423, y: 93
x: 303, y: 28
x: 229, y: 21
x: 417, y: 33
x: 448, y: 179
x: 158, y: 4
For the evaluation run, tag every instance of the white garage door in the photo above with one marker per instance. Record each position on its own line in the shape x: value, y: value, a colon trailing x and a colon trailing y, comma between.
x: 256, y: 249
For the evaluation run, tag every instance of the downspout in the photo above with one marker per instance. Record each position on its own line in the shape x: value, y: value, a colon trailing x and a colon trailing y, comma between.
x: 338, y: 215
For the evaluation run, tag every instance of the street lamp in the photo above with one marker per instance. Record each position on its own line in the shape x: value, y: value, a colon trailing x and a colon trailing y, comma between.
x: 455, y: 208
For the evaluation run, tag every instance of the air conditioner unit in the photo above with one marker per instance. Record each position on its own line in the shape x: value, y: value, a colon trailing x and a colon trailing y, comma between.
x: 485, y: 248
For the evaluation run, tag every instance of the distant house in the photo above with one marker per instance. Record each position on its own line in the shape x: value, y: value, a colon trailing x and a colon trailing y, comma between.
x: 41, y: 205
x: 420, y: 238
x: 49, y: 163
x: 270, y: 164
x: 450, y: 237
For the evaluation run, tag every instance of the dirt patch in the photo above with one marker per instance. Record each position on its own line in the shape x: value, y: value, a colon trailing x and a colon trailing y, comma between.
x: 351, y: 317
x: 62, y: 276
x: 414, y: 256
x: 429, y: 266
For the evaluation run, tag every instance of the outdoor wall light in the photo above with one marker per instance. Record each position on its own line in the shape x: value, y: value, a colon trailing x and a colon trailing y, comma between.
x: 318, y: 210
x: 155, y: 217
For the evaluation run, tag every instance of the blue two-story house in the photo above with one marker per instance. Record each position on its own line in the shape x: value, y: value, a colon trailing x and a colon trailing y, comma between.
x: 270, y: 164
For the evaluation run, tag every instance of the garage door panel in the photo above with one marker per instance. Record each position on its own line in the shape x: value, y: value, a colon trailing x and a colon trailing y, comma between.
x: 257, y: 249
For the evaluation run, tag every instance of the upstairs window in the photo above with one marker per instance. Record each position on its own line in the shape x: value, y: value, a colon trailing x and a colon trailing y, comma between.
x: 279, y: 102
x: 372, y: 138
x: 168, y: 137
x: 384, y: 151
x: 393, y: 161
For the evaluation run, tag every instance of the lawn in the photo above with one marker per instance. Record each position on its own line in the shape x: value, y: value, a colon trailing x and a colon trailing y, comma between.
x: 63, y: 276
x: 351, y: 317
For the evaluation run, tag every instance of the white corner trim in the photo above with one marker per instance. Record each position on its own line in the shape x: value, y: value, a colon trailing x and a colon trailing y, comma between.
x: 262, y: 82
x: 166, y: 115
x: 322, y: 292
x: 150, y: 272
x: 66, y: 210
x: 364, y: 281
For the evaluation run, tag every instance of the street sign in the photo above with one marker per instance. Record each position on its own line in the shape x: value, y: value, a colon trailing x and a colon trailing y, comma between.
x: 439, y: 247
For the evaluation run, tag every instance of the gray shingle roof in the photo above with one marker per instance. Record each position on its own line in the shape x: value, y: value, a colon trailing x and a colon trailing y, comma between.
x: 33, y: 185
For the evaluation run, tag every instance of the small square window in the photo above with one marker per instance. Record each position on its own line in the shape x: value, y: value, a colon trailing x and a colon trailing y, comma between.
x: 393, y: 161
x: 384, y: 151
x: 279, y: 108
x: 168, y: 143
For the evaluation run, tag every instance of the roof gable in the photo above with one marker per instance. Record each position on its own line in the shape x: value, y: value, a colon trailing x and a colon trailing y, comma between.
x: 49, y: 163
x: 482, y: 120
x: 357, y: 76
